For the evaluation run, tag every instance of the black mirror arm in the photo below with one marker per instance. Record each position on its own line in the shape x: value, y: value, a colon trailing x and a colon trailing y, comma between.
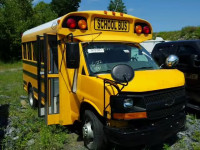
x: 114, y: 83
x: 123, y: 85
x: 70, y: 36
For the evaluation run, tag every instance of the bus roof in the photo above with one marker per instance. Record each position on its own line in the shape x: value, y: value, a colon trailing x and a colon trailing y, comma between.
x: 55, y: 27
x: 51, y: 24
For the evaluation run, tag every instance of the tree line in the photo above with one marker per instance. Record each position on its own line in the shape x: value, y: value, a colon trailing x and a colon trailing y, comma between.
x: 17, y: 16
x: 186, y: 33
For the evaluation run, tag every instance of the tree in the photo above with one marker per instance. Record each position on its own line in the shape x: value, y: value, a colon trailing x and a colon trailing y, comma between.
x: 43, y: 13
x: 62, y: 7
x: 15, y: 18
x: 117, y: 5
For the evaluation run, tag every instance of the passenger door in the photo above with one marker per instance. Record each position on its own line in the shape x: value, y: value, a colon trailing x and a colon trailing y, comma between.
x: 51, y: 81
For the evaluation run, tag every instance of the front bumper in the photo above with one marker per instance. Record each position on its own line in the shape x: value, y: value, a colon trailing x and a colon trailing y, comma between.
x: 149, y: 135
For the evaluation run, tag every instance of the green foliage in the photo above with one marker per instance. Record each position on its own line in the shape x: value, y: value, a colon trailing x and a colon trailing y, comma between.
x: 43, y: 13
x: 166, y: 147
x: 187, y: 33
x: 17, y: 16
x: 117, y: 5
x: 6, y: 66
x: 196, y: 137
x: 14, y: 20
x: 62, y: 7
x: 28, y: 126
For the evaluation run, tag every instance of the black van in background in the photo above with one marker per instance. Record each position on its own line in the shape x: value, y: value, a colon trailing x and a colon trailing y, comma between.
x: 188, y: 53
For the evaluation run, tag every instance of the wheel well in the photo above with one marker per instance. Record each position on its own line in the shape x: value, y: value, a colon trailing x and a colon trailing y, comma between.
x: 87, y: 106
x: 29, y: 86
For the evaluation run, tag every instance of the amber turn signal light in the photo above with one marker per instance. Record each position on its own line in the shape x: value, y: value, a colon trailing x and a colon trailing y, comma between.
x: 82, y: 24
x: 129, y: 116
x: 138, y: 29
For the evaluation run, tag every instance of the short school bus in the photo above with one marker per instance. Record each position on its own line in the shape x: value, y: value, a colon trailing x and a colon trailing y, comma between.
x: 89, y: 67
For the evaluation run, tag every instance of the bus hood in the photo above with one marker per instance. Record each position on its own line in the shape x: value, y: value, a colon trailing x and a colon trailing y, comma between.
x: 150, y: 80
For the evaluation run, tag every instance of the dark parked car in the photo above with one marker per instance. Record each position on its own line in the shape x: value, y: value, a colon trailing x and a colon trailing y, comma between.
x: 189, y: 63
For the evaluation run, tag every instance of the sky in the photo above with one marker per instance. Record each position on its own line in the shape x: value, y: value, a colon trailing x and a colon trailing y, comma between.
x: 164, y: 15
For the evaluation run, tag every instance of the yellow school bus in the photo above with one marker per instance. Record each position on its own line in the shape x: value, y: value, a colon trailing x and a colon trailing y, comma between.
x: 89, y: 67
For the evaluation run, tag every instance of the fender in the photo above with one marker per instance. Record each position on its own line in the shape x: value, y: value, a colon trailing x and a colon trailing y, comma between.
x: 93, y: 105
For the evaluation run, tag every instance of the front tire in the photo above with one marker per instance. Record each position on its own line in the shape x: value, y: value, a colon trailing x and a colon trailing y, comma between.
x: 31, y: 99
x: 93, y: 134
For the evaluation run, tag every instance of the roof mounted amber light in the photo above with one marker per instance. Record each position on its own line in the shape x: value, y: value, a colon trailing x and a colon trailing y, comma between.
x: 82, y: 24
x: 58, y: 21
x: 129, y: 116
x: 121, y: 14
x: 105, y: 12
x: 113, y: 13
x: 138, y: 29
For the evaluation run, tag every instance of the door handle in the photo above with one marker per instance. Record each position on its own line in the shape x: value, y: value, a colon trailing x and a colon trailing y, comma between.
x: 41, y: 72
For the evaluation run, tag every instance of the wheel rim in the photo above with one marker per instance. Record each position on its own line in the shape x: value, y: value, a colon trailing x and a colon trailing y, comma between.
x: 30, y: 99
x: 88, y: 134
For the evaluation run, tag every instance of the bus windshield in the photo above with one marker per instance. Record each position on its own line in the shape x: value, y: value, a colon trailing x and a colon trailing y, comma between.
x: 101, y: 57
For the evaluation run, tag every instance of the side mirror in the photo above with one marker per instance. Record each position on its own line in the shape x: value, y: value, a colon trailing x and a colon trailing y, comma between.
x: 171, y: 61
x: 72, y: 55
x: 122, y: 73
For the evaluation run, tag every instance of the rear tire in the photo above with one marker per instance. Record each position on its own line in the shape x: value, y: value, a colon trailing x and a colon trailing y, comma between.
x: 93, y: 134
x: 31, y: 99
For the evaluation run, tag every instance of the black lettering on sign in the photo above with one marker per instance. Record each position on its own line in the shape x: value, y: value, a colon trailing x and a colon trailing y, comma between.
x: 119, y: 25
x: 102, y: 26
x: 98, y: 21
x: 105, y: 24
x: 115, y: 25
x: 111, y: 24
x: 125, y: 25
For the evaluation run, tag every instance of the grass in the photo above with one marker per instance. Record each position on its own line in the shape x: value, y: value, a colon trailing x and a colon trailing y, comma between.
x: 7, y: 66
x: 29, y: 130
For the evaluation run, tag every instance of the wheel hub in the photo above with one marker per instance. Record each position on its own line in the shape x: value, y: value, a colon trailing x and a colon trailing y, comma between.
x: 87, y: 131
x: 31, y: 99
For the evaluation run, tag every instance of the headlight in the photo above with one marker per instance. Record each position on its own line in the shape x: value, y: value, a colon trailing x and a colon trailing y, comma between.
x: 128, y: 103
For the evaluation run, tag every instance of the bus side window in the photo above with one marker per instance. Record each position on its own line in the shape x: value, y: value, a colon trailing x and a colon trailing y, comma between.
x: 41, y: 51
x: 35, y: 53
x: 29, y: 51
x: 24, y: 51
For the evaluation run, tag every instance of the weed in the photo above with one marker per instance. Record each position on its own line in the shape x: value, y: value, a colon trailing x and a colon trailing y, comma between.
x: 28, y: 130
x: 166, y: 147
x: 196, y: 146
x: 196, y: 136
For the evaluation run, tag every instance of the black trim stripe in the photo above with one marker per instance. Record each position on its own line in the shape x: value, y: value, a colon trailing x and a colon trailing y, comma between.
x: 32, y: 75
x: 32, y: 63
x: 36, y: 91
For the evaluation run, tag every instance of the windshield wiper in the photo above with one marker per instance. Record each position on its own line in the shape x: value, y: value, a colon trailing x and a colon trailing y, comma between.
x: 143, y: 68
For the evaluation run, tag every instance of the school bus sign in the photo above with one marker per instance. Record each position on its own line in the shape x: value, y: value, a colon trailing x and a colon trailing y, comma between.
x: 105, y: 24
